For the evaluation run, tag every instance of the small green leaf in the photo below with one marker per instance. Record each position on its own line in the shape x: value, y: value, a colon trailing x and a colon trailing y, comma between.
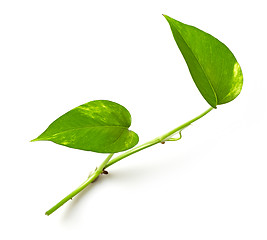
x: 97, y: 126
x: 212, y: 65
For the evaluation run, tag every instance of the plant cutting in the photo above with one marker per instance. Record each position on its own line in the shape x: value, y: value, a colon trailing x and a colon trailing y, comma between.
x: 102, y: 126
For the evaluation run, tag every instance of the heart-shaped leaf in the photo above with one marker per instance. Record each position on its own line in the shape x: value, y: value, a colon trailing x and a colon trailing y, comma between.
x: 98, y: 126
x: 212, y: 65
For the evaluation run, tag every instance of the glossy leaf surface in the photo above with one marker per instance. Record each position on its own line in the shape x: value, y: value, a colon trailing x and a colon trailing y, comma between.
x: 98, y: 126
x: 212, y: 65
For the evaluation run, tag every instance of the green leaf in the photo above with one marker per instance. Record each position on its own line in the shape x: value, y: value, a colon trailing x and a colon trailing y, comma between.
x: 98, y: 126
x: 212, y: 65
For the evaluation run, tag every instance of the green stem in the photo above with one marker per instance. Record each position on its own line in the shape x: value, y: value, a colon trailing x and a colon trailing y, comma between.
x: 109, y: 162
x: 156, y: 140
x: 89, y: 180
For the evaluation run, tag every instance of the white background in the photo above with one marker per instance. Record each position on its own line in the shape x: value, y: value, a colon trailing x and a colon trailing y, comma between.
x: 56, y: 55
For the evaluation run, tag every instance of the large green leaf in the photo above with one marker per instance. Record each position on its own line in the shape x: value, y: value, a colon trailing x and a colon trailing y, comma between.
x: 212, y: 65
x: 98, y: 126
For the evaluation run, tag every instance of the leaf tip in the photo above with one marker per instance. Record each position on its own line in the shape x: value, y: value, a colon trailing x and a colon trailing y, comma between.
x: 167, y: 17
x: 164, y: 15
x: 34, y: 140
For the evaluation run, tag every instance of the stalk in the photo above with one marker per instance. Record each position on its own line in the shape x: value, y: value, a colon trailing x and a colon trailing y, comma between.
x: 107, y: 163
